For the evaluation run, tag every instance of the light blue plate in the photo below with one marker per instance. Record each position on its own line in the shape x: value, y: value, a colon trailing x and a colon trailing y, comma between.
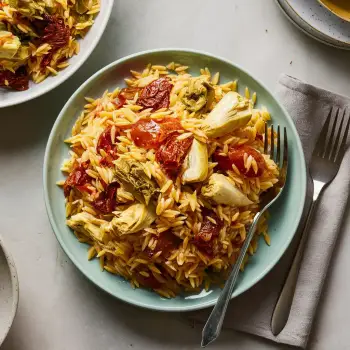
x: 285, y: 215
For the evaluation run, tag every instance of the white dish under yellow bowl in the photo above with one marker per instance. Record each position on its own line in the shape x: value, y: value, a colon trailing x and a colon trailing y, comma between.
x: 317, y: 22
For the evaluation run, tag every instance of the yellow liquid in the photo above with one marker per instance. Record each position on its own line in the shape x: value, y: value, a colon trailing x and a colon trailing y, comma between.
x: 339, y: 7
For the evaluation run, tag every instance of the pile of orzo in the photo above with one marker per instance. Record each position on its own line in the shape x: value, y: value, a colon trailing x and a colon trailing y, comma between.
x: 165, y: 177
x: 37, y: 37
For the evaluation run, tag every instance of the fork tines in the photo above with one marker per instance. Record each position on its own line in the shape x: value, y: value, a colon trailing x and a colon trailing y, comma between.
x: 269, y: 147
x: 331, y: 143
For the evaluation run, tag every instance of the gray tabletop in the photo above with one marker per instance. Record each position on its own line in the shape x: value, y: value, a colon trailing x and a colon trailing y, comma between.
x: 59, y: 309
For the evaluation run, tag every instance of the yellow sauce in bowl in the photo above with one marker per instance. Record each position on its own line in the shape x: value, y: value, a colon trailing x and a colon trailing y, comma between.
x: 341, y: 8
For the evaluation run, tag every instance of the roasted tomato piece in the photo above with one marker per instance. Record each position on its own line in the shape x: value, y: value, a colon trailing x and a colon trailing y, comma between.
x: 106, y: 200
x: 53, y: 32
x: 17, y: 81
x: 172, y: 154
x: 56, y: 33
x: 107, y: 161
x: 166, y: 243
x: 145, y: 133
x: 236, y: 156
x: 156, y: 95
x: 77, y: 178
x: 149, y: 282
x: 148, y: 133
x: 126, y: 94
x: 105, y: 141
x: 85, y: 188
x: 209, y: 230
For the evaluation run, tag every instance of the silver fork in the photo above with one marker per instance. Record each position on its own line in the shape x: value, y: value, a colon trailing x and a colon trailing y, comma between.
x: 324, y: 166
x: 213, y: 326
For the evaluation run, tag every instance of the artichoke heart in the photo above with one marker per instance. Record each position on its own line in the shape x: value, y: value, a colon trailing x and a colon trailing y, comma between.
x: 81, y: 6
x: 222, y: 191
x: 12, y: 3
x: 135, y: 218
x: 9, y: 44
x: 88, y: 225
x: 132, y: 175
x: 196, y: 163
x: 231, y: 113
x: 199, y: 95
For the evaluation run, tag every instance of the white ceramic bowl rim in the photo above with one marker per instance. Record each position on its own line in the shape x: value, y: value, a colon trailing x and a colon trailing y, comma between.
x: 60, y: 78
x: 15, y: 289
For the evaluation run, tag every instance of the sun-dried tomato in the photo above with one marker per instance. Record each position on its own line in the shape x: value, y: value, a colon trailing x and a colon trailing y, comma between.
x: 105, y: 141
x: 107, y: 161
x: 149, y: 133
x: 106, y: 200
x: 236, y: 156
x: 78, y: 177
x: 209, y: 230
x: 259, y: 137
x: 172, y: 154
x: 17, y: 81
x: 85, y: 188
x: 148, y: 282
x: 156, y: 95
x: 56, y: 33
x: 126, y: 94
x: 166, y: 243
x: 46, y: 60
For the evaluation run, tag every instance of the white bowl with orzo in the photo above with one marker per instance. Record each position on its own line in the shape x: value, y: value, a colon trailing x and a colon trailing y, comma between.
x: 42, y: 43
x: 158, y: 173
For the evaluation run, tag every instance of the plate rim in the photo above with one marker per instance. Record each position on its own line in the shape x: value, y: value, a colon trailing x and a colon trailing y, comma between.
x: 291, y: 20
x: 55, y: 229
x: 333, y: 42
x: 15, y: 288
x: 74, y: 69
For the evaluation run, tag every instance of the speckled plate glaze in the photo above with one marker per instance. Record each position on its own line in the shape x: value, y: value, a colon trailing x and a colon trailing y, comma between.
x: 316, y: 21
x: 285, y: 215
x: 87, y: 45
x: 8, y: 291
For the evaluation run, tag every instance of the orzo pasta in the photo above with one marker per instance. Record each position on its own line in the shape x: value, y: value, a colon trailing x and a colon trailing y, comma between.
x: 165, y: 177
x: 37, y: 37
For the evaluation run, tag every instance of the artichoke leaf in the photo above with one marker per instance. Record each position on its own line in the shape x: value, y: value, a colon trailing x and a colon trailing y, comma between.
x: 135, y: 218
x: 131, y: 174
x: 13, y: 3
x: 88, y: 225
x: 196, y: 163
x: 199, y: 95
x: 226, y: 116
x: 9, y: 44
x: 222, y: 191
x: 81, y: 7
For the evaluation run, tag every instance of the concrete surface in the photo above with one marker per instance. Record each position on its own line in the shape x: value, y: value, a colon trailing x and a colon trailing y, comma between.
x: 59, y: 309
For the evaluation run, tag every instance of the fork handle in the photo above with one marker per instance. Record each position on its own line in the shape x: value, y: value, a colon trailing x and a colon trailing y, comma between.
x: 214, y: 323
x: 284, y: 303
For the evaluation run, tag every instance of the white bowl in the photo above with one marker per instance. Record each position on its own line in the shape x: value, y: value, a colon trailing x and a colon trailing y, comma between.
x: 8, y: 291
x: 87, y: 45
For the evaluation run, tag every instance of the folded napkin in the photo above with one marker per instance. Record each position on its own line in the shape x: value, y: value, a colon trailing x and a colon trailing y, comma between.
x: 251, y: 312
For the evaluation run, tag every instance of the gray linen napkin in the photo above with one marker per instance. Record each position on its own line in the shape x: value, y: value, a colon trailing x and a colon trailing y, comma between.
x: 251, y: 312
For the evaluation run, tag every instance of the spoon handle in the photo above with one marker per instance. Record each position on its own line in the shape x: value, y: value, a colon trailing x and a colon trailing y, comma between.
x: 214, y: 323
